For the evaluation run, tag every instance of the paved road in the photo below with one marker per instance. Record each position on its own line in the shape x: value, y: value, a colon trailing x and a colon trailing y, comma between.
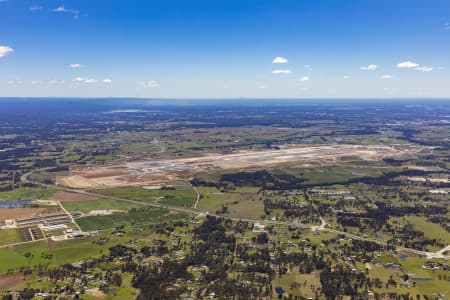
x: 195, y: 211
x: 70, y: 215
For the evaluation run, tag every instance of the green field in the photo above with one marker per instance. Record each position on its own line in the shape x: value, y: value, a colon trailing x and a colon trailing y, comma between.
x: 242, y: 202
x: 431, y: 230
x: 180, y: 197
x: 334, y: 174
x: 61, y: 252
x: 135, y: 218
x: 27, y: 194
x: 110, y: 204
x: 10, y: 236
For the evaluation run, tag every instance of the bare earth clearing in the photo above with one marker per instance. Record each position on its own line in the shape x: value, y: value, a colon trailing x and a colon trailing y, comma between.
x: 66, y: 196
x: 7, y: 282
x: 14, y: 213
x: 147, y: 172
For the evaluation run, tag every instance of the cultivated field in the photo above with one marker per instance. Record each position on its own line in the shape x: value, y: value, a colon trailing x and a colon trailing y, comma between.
x: 147, y: 172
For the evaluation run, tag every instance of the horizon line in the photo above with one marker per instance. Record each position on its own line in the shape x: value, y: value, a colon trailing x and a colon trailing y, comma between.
x: 225, y: 98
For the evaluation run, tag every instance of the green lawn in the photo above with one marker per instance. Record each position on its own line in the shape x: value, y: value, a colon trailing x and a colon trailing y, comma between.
x: 135, y: 218
x: 27, y: 193
x: 10, y: 236
x: 86, y: 206
x: 180, y: 197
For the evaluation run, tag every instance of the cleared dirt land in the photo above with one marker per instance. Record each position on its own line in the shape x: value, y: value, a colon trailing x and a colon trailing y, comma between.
x: 13, y: 213
x: 66, y: 196
x: 9, y: 281
x: 148, y: 171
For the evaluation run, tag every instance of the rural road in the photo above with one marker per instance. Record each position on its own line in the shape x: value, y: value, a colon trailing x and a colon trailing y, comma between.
x: 195, y: 211
x: 198, y: 197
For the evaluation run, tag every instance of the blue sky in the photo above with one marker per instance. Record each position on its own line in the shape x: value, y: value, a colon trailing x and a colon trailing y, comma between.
x: 223, y: 49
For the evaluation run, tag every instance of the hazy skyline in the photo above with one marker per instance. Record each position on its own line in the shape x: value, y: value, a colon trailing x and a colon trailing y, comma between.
x: 225, y: 49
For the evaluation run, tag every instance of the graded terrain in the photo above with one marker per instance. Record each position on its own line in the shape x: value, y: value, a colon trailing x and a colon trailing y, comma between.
x: 144, y: 172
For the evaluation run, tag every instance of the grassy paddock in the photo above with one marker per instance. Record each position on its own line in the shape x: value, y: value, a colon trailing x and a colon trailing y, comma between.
x: 86, y: 206
x: 135, y: 218
x: 242, y: 202
x: 27, y: 194
x: 180, y: 197
x: 9, y: 236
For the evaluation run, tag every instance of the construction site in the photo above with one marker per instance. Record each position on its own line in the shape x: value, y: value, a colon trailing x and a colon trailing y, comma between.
x: 153, y: 171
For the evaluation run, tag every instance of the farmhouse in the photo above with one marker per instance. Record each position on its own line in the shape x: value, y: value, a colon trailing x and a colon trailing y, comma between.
x: 257, y: 227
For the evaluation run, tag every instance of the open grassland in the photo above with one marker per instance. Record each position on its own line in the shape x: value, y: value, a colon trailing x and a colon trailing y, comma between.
x: 243, y: 202
x: 27, y: 194
x: 10, y: 236
x: 335, y: 173
x: 132, y: 218
x: 431, y: 230
x: 108, y: 204
x: 180, y: 197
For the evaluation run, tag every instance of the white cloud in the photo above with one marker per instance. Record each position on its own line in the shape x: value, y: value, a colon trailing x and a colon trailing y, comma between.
x: 407, y: 65
x: 304, y: 89
x: 369, y: 67
x: 346, y: 77
x: 424, y: 69
x: 282, y: 71
x: 304, y: 78
x: 5, y: 50
x: 441, y: 68
x: 63, y: 9
x: 387, y: 77
x: 84, y: 80
x: 107, y: 81
x: 279, y: 60
x: 36, y: 8
x: 12, y: 82
x: 415, y: 66
x: 308, y: 66
x: 152, y: 84
x: 75, y: 65
x: 262, y: 87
